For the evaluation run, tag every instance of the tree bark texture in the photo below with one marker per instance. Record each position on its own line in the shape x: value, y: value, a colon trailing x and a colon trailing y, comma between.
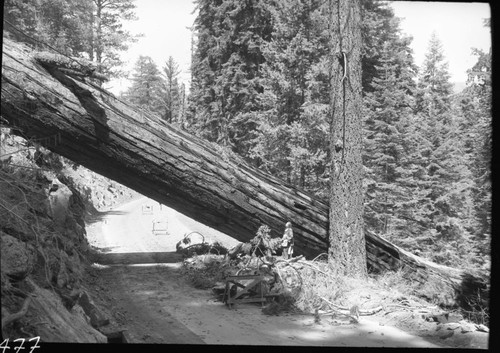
x: 139, y: 150
x: 88, y: 125
x: 347, y: 242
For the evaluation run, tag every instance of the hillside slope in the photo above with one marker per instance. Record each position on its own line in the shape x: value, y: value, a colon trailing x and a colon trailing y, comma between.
x: 44, y: 250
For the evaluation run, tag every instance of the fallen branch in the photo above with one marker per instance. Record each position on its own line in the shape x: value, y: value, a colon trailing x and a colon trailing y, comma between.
x: 280, y: 271
x: 401, y: 306
x: 372, y: 311
x: 329, y: 312
x: 322, y: 254
x: 314, y: 267
x: 361, y: 312
x: 293, y: 259
x: 334, y: 305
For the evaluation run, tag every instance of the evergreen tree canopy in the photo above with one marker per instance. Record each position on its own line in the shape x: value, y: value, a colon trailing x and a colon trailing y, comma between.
x: 92, y: 29
x: 107, y: 37
x: 387, y: 161
x: 443, y: 193
x: 292, y: 142
x: 226, y: 72
x: 146, y: 89
x: 434, y: 84
x: 171, y: 91
x: 475, y: 104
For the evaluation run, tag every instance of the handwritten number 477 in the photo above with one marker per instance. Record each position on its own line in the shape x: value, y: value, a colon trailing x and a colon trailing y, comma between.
x: 19, y: 344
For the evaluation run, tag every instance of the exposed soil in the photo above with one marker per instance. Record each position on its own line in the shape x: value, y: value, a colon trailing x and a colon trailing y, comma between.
x: 137, y: 281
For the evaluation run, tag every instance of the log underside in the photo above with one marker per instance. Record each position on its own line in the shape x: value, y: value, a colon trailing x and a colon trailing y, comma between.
x: 169, y: 165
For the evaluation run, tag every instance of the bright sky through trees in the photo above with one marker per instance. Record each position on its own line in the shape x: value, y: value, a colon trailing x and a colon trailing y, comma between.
x: 459, y: 26
x: 165, y: 28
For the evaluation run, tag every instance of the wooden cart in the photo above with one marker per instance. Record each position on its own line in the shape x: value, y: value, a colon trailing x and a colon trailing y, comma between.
x: 160, y: 227
x: 244, y: 289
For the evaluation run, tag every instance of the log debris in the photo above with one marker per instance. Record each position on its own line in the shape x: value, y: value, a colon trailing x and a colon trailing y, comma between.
x: 143, y: 152
x: 351, y: 310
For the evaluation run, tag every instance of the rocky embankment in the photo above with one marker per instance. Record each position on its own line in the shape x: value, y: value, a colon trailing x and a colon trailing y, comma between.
x: 44, y: 251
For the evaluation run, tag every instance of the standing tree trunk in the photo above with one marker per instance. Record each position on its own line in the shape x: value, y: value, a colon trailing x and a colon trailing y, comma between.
x: 98, y: 46
x: 347, y: 252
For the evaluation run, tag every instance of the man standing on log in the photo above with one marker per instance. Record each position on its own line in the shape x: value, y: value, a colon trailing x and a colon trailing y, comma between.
x: 287, y: 242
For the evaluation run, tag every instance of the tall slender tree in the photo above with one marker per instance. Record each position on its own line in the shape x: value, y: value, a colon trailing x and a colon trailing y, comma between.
x: 379, y: 25
x: 347, y: 253
x: 388, y: 109
x: 146, y: 89
x: 445, y: 181
x: 171, y: 94
x: 475, y: 104
x: 106, y: 36
x: 389, y: 87
x: 435, y: 88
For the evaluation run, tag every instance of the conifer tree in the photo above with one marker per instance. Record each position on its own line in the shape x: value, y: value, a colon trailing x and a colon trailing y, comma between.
x: 475, y: 104
x: 171, y: 94
x: 435, y: 89
x: 106, y: 37
x: 226, y: 72
x: 445, y: 180
x: 293, y: 124
x: 388, y: 109
x: 83, y: 28
x: 379, y: 25
x: 145, y: 91
x: 63, y: 25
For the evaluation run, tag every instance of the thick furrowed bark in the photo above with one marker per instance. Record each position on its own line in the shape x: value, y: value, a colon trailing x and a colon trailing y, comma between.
x: 347, y: 251
x: 139, y: 150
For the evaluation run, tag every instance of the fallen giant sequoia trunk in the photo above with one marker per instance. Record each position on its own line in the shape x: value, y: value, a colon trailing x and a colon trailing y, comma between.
x: 139, y: 150
x: 195, y: 177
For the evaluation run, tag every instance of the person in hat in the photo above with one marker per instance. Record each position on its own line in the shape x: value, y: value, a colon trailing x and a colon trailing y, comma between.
x: 287, y: 241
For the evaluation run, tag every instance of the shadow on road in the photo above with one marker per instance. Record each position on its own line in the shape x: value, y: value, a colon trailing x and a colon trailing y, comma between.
x: 99, y: 216
x: 137, y: 258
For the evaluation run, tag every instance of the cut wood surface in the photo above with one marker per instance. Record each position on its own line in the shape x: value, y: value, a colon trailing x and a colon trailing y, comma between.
x: 82, y: 122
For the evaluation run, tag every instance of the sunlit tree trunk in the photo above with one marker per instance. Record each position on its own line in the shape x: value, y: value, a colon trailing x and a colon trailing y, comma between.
x: 347, y: 253
x: 98, y: 47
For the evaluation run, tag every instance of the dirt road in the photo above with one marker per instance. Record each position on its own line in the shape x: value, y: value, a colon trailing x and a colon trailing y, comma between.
x: 141, y: 285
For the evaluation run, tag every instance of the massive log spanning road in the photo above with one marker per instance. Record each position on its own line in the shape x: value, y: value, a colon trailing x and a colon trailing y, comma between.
x: 169, y: 165
x: 141, y: 151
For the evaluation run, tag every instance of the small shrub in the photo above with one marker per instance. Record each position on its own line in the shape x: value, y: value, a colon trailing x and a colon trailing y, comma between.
x: 283, y: 303
x: 397, y: 281
x: 202, y: 282
x: 473, y: 298
x: 204, y: 275
x: 319, y: 284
